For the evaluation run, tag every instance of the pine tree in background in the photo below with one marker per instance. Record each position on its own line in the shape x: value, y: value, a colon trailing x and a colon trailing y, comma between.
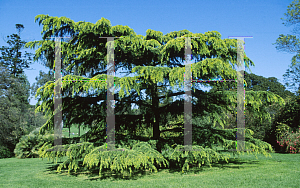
x: 16, y: 116
x: 289, y: 114
x: 290, y: 43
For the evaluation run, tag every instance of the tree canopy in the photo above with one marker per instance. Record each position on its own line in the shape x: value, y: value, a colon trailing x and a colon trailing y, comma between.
x: 155, y: 60
x: 17, y: 117
x: 255, y: 86
x: 290, y: 43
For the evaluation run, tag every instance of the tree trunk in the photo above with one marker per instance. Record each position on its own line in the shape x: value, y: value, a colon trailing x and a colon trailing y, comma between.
x: 78, y: 130
x: 155, y: 101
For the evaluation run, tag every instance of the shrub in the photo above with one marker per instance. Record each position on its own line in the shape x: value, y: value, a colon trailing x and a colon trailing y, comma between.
x: 200, y: 156
x: 74, y: 153
x: 4, y: 152
x: 290, y: 142
x: 29, y: 145
x: 124, y: 160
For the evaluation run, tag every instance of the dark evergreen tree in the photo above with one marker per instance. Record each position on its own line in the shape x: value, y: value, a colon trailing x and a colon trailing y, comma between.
x: 290, y: 43
x: 16, y: 116
x: 157, y: 62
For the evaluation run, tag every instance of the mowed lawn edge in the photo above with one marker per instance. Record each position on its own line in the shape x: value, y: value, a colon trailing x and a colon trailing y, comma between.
x: 282, y: 170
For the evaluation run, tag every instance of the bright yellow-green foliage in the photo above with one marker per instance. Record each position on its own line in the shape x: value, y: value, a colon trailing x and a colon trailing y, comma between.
x: 255, y: 101
x: 156, y: 74
x: 199, y: 156
x: 45, y: 152
x: 29, y: 145
x: 141, y: 156
x: 281, y: 130
x: 252, y: 145
x: 154, y: 59
x: 74, y: 152
x: 142, y: 55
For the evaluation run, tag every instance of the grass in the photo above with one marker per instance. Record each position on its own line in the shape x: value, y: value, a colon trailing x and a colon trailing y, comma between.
x: 74, y: 129
x: 282, y: 170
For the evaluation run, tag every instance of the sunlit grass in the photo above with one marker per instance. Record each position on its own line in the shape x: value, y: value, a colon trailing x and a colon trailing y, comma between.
x: 74, y: 131
x: 282, y: 170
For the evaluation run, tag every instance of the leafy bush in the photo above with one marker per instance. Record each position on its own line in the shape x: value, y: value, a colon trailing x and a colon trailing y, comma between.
x: 290, y: 142
x: 123, y: 160
x: 4, y: 152
x: 74, y: 152
x: 141, y: 156
x: 29, y: 145
x: 200, y: 156
x: 206, y: 135
x: 287, y: 119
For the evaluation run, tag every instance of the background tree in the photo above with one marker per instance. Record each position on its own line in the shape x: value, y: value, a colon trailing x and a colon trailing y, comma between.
x: 290, y: 43
x: 13, y: 110
x: 16, y: 114
x: 41, y: 80
x: 292, y: 77
x: 257, y: 84
x: 288, y: 115
x: 11, y: 56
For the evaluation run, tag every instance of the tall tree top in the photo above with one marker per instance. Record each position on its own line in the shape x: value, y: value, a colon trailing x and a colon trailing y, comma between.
x: 11, y: 55
x: 20, y: 28
x: 87, y: 51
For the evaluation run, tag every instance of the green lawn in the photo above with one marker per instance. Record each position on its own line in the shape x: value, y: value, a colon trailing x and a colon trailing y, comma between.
x: 282, y: 170
x: 74, y: 129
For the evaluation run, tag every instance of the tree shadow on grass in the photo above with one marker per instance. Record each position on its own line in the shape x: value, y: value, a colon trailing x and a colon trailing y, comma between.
x: 136, y: 174
x: 52, y: 169
x: 232, y: 163
x: 236, y: 163
x: 93, y: 174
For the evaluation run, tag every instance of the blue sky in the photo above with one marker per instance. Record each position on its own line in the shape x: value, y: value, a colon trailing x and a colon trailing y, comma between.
x: 260, y: 19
